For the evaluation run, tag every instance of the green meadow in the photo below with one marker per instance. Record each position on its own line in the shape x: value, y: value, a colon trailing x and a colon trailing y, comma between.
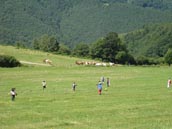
x: 137, y: 98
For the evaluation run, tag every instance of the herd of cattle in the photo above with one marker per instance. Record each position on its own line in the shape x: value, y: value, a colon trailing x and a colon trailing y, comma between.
x: 87, y: 63
x: 94, y: 63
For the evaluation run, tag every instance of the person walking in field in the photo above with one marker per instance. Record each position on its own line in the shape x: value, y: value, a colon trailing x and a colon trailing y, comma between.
x: 169, y: 83
x: 74, y: 86
x: 44, y: 84
x: 108, y: 82
x: 102, y: 79
x: 99, y: 87
x: 13, y: 94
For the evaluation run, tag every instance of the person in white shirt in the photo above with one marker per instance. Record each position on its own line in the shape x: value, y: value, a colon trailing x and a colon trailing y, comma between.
x: 169, y: 83
x: 13, y: 94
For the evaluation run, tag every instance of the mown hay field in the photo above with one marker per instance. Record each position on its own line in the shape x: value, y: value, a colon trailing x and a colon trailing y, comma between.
x: 138, y: 97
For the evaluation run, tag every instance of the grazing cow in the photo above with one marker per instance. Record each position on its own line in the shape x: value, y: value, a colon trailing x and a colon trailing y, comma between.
x: 104, y: 64
x: 47, y: 61
x: 111, y: 64
x: 92, y: 63
x: 79, y: 62
x: 86, y: 63
x: 98, y: 64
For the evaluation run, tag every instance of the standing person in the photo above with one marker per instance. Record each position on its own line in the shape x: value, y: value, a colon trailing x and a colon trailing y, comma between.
x: 99, y: 87
x: 108, y: 82
x: 13, y: 94
x: 44, y: 84
x: 74, y: 86
x: 169, y: 83
x: 102, y: 79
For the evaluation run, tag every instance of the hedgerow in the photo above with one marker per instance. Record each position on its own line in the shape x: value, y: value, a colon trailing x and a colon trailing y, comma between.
x: 9, y: 61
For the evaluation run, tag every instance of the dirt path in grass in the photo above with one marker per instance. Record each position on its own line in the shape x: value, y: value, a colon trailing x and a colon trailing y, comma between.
x: 32, y: 63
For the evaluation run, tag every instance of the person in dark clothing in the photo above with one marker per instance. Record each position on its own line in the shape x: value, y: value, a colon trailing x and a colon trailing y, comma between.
x: 44, y: 84
x: 74, y: 86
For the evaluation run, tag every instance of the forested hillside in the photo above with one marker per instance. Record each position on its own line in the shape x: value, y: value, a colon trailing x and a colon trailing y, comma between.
x: 75, y: 21
x: 152, y: 41
x: 157, y: 4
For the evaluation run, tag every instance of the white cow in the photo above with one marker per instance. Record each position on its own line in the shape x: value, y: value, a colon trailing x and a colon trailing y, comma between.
x: 111, y: 64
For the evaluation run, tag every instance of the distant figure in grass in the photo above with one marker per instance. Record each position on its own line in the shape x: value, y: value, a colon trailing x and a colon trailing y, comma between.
x: 74, y: 86
x: 108, y: 82
x: 99, y: 87
x: 102, y: 79
x: 13, y: 94
x: 44, y: 84
x: 169, y: 83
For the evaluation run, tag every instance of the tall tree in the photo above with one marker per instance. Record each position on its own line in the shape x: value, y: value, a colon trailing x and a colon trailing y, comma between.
x: 36, y: 44
x: 53, y: 44
x: 107, y: 48
x: 168, y: 57
x: 123, y: 57
x: 63, y: 49
x: 81, y: 50
x: 46, y: 43
x: 112, y: 44
x: 96, y: 49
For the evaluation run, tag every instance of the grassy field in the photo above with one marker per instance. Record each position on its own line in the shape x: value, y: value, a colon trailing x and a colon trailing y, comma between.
x: 137, y: 98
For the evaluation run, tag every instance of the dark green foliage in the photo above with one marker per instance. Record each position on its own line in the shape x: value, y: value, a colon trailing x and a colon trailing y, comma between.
x: 168, y: 57
x: 25, y: 20
x: 63, y: 49
x: 157, y: 4
x: 81, y: 50
x: 97, y: 19
x: 20, y: 44
x: 36, y: 44
x: 142, y: 60
x: 111, y: 46
x: 123, y: 57
x: 150, y: 41
x: 107, y: 48
x: 52, y: 45
x: 75, y: 21
x: 8, y: 61
x: 46, y: 43
x: 96, y: 49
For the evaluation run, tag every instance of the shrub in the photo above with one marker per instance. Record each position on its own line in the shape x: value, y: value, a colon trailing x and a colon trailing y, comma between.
x: 168, y: 57
x: 8, y: 61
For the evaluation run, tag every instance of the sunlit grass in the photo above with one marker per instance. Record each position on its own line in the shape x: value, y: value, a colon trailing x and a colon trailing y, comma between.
x: 137, y: 98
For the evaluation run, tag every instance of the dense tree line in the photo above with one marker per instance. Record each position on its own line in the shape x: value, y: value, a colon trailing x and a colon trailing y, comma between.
x: 145, y: 46
x: 108, y: 49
